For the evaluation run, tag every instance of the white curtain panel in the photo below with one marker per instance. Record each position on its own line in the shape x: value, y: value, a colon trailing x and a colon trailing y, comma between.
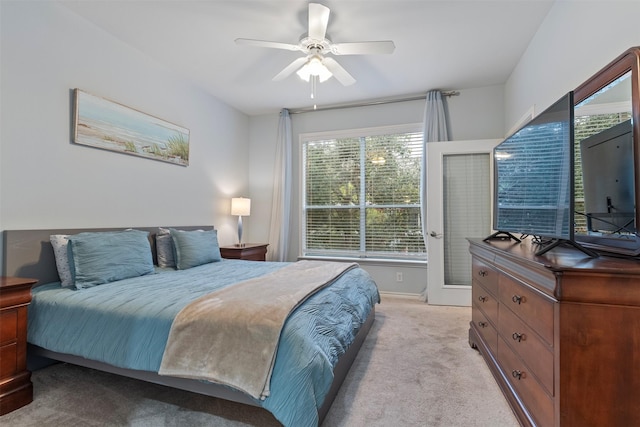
x: 281, y: 199
x: 435, y: 129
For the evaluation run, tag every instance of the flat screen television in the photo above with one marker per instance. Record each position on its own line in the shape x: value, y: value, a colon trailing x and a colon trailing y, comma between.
x: 533, y: 182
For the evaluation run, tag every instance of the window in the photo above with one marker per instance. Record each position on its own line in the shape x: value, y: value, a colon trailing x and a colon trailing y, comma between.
x: 361, y: 193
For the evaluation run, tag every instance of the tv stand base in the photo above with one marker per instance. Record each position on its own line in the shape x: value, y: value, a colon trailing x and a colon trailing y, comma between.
x: 502, y: 235
x: 558, y: 242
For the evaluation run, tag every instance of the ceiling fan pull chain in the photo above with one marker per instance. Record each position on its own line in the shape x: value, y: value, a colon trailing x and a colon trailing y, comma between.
x: 314, y: 80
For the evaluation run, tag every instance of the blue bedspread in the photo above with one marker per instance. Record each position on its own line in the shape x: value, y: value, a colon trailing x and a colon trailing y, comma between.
x: 127, y: 323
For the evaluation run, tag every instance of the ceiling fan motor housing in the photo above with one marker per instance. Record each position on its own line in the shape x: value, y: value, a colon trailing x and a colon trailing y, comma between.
x: 314, y: 46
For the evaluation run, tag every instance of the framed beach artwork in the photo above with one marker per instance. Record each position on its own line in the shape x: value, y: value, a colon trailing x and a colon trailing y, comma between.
x: 101, y: 123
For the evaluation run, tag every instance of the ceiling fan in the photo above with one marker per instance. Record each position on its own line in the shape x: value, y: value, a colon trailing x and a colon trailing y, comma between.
x: 315, y: 65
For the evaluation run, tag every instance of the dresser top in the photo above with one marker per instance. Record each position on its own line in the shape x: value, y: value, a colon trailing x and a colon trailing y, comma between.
x: 565, y: 273
x: 559, y: 259
x: 9, y: 282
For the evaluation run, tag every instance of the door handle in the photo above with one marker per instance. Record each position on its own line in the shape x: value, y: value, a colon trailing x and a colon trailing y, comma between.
x: 436, y: 235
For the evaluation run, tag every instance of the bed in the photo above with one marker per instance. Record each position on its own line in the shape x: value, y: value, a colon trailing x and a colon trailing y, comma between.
x: 136, y: 319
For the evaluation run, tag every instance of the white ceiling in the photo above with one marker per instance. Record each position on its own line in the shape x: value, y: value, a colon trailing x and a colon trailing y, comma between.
x: 448, y: 44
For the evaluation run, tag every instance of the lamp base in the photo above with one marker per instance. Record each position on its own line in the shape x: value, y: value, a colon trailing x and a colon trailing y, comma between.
x: 239, y: 244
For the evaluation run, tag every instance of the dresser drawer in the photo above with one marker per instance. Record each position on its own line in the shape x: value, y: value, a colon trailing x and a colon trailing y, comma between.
x: 534, y: 309
x: 486, y: 329
x: 485, y: 274
x: 8, y: 326
x: 8, y: 360
x: 535, y: 353
x: 485, y: 301
x: 538, y: 403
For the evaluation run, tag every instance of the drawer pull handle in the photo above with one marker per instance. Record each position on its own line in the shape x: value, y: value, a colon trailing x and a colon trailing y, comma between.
x: 482, y: 273
x: 518, y: 299
x: 517, y: 336
x: 518, y: 374
x: 483, y: 324
x: 482, y: 298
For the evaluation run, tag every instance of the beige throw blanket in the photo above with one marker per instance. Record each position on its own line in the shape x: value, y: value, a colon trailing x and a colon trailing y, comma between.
x: 230, y: 336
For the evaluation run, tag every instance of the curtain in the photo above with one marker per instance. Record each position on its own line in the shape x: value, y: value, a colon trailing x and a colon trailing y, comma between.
x: 281, y: 198
x: 435, y: 129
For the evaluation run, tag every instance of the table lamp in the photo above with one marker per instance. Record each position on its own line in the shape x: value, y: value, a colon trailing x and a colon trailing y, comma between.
x: 240, y: 206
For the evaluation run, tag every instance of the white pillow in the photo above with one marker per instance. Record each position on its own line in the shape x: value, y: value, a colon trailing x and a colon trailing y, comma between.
x: 59, y: 243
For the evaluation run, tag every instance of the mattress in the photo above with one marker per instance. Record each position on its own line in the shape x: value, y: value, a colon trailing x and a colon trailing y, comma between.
x: 127, y: 323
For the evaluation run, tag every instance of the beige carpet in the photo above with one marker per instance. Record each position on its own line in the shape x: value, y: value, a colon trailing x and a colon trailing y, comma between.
x: 415, y: 369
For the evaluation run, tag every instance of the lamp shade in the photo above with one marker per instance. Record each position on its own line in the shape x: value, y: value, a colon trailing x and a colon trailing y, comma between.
x: 240, y: 206
x: 314, y: 67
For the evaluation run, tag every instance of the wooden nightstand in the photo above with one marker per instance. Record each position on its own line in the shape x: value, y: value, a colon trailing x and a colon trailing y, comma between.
x: 250, y: 251
x: 16, y: 389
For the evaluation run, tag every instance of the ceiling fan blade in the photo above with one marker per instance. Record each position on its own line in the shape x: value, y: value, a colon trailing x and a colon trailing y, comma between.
x: 318, y: 20
x: 264, y: 43
x: 289, y: 69
x: 338, y: 72
x: 363, y: 48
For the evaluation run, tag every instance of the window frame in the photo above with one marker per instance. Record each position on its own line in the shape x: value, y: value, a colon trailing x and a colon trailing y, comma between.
x: 342, y: 134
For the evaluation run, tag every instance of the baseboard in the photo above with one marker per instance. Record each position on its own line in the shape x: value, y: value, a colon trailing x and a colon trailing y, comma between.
x: 400, y: 295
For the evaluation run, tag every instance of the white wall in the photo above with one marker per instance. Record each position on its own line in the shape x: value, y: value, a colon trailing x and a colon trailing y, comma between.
x: 47, y: 182
x: 262, y: 135
x: 576, y: 40
x: 474, y: 114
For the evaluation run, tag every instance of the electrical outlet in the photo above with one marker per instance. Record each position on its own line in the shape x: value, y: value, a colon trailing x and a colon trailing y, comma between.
x: 399, y: 276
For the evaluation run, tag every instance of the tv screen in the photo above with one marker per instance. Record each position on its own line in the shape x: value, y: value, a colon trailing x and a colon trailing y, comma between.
x: 534, y: 176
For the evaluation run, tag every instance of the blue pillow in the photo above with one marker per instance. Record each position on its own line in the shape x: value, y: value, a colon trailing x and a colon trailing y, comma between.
x: 195, y: 248
x: 96, y: 258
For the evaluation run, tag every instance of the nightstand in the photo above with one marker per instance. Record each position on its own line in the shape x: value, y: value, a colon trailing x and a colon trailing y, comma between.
x: 16, y: 389
x: 249, y: 251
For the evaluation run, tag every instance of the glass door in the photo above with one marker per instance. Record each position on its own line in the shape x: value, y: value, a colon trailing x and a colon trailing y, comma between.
x: 460, y: 181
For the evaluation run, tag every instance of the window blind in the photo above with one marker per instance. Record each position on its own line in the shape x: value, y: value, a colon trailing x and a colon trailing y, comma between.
x: 466, y: 211
x: 362, y: 196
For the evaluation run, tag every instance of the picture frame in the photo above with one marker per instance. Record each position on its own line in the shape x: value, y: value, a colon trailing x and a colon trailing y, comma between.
x: 101, y: 123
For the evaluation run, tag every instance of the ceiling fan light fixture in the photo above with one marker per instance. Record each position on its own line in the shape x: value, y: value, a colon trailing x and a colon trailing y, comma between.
x: 314, y: 67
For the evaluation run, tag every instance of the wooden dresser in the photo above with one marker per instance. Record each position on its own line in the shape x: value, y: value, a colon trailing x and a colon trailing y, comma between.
x: 16, y: 389
x: 560, y: 332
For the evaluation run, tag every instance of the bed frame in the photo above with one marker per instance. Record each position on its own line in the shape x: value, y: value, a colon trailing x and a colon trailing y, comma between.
x: 28, y: 253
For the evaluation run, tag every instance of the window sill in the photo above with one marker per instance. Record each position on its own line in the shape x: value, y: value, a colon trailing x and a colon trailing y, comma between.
x: 369, y: 261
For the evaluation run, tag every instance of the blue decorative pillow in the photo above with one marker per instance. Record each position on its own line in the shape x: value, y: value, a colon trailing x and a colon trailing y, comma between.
x: 102, y: 257
x: 195, y: 248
